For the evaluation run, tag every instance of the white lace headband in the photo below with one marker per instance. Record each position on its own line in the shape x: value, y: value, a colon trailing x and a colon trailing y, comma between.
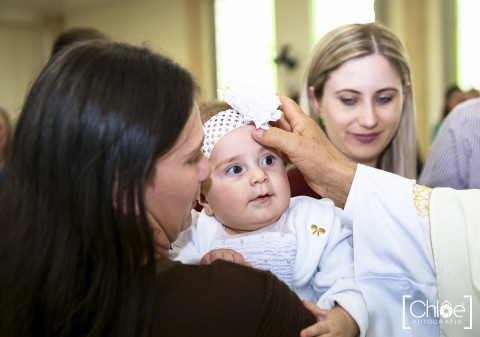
x: 250, y: 104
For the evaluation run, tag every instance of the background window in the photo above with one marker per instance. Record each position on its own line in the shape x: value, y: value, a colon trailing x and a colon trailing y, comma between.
x: 468, y: 51
x: 328, y: 14
x: 245, y: 41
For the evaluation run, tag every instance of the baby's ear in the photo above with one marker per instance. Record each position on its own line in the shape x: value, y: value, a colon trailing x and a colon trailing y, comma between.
x: 206, y: 206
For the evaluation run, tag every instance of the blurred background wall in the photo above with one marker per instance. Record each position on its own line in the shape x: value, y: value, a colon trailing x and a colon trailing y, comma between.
x: 185, y: 31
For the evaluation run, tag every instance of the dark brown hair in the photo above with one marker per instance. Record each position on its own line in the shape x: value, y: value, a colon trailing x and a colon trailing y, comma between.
x: 94, y: 122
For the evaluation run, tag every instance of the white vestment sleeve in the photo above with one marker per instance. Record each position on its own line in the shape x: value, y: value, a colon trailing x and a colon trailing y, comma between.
x: 455, y: 226
x: 335, y: 276
x: 392, y: 253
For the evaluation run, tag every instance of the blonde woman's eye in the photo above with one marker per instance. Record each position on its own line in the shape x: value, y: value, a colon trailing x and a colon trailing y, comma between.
x: 234, y: 170
x: 347, y: 100
x: 384, y: 99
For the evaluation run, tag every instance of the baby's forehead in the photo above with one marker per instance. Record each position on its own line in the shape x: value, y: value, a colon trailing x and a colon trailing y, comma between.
x: 239, y: 135
x: 238, y: 141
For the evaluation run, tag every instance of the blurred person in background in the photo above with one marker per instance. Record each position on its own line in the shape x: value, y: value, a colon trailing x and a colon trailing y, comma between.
x: 453, y: 96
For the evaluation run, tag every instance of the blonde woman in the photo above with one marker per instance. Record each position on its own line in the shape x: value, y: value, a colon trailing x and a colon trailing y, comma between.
x: 358, y: 86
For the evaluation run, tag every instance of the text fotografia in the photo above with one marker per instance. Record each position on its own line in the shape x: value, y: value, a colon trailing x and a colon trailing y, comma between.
x: 445, y: 313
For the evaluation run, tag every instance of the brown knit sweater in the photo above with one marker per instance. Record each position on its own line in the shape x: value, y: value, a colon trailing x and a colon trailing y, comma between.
x: 225, y: 300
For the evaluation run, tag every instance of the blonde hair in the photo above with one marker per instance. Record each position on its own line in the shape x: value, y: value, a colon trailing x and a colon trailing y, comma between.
x: 357, y: 40
x: 210, y: 109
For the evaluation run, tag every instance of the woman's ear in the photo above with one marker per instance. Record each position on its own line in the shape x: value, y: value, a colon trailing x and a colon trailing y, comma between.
x: 313, y: 103
x: 206, y: 206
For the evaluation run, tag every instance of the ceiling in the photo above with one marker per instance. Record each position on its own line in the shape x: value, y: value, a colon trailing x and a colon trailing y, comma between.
x: 42, y: 8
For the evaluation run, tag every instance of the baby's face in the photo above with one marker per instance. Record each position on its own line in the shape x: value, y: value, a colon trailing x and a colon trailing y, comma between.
x: 248, y: 188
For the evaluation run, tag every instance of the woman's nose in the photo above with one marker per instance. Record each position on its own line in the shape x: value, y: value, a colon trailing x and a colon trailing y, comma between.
x: 368, y: 117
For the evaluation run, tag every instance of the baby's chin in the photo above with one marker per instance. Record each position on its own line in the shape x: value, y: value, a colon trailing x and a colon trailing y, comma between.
x: 253, y: 226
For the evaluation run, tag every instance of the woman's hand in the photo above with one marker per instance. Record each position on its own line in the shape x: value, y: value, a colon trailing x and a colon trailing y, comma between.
x: 326, y: 170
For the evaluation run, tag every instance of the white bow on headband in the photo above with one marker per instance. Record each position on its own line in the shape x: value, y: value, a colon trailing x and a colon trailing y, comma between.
x: 250, y: 102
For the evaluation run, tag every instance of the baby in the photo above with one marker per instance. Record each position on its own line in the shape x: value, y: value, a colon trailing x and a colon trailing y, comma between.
x: 248, y: 214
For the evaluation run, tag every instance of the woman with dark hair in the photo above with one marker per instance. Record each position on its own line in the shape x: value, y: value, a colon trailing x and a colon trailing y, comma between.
x: 75, y: 35
x: 6, y: 135
x: 105, y: 168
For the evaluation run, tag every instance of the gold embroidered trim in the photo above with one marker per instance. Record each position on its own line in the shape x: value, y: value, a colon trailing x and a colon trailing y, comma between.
x: 421, y: 198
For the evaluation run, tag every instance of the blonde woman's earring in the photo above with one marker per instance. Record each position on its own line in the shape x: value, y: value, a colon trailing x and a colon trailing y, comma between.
x: 321, y: 120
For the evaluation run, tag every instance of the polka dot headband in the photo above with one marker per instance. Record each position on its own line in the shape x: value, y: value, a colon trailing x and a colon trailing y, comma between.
x: 250, y: 103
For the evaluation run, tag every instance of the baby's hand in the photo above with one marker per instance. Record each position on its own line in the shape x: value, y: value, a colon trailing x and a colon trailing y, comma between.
x: 333, y: 322
x: 224, y: 254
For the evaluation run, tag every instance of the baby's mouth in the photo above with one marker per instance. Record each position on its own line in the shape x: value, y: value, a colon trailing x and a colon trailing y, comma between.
x: 262, y: 197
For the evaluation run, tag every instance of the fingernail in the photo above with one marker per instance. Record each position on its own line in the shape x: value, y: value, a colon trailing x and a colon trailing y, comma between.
x: 258, y: 133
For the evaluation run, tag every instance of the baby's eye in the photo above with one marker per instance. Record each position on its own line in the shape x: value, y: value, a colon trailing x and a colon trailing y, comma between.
x: 268, y: 160
x: 347, y: 100
x: 234, y: 170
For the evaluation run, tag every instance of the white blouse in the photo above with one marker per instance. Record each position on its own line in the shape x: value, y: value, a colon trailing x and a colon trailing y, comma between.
x: 308, y: 247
